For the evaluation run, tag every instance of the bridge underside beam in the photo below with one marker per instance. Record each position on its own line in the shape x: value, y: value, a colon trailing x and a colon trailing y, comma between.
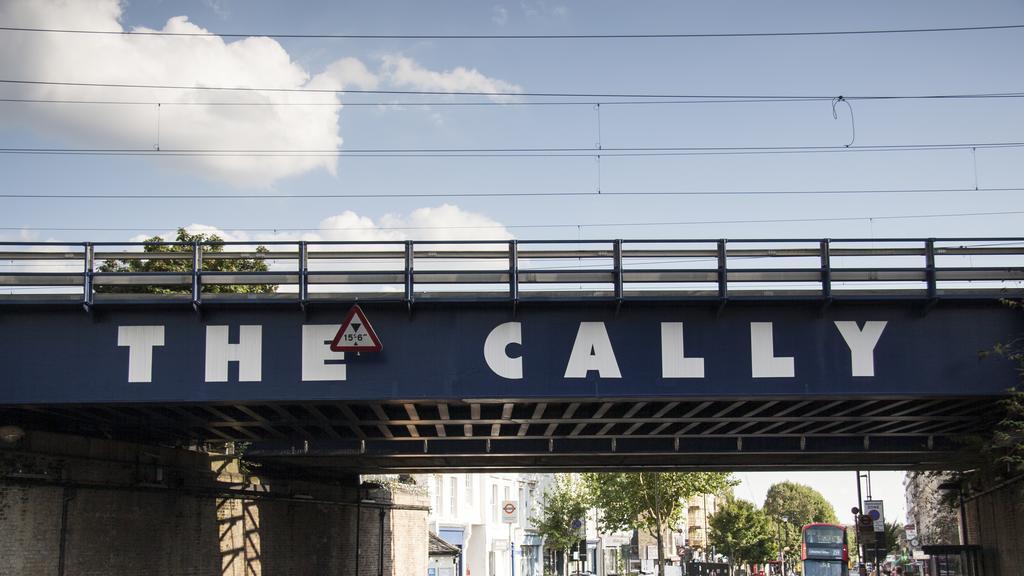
x: 726, y: 433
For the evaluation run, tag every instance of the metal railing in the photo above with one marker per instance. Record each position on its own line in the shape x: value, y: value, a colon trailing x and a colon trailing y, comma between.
x: 514, y: 270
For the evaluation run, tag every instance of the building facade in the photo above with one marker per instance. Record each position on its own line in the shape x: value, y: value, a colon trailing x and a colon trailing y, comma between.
x: 935, y: 521
x: 696, y: 546
x: 466, y: 511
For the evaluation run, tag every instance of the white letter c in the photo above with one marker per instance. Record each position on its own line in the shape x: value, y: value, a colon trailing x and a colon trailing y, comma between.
x: 494, y: 350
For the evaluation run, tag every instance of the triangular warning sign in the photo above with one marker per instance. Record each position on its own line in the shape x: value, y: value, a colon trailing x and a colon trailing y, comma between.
x: 356, y: 334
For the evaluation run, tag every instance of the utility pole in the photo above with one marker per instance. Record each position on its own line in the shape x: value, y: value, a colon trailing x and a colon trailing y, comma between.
x: 511, y: 549
x: 856, y: 522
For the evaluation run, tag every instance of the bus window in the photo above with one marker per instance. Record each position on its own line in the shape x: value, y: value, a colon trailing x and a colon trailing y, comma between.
x: 824, y: 550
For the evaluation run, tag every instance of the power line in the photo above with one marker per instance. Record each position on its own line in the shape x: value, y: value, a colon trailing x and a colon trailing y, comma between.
x: 410, y: 103
x: 542, y: 226
x: 623, y: 36
x: 512, y: 94
x: 276, y: 196
x: 547, y: 152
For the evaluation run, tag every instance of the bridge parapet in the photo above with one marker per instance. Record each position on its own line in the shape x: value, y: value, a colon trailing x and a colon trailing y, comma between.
x: 516, y: 270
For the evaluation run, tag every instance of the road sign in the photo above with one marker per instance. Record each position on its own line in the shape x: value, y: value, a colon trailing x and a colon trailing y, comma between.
x: 356, y: 334
x: 508, y: 511
x: 911, y: 531
x: 865, y: 530
x: 874, y: 509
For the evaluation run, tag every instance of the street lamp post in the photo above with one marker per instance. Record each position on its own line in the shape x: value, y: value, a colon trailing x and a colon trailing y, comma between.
x: 785, y: 527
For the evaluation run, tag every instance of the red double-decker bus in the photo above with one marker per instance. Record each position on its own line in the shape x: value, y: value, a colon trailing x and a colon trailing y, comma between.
x: 824, y: 550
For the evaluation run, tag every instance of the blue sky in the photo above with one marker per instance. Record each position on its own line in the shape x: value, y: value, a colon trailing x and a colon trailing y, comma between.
x: 963, y: 62
x: 904, y: 64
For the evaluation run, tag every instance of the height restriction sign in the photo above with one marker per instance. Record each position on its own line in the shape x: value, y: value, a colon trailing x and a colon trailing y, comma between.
x: 356, y: 334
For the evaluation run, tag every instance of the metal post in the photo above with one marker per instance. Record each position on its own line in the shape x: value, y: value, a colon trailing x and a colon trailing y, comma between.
x: 408, y: 272
x: 359, y: 512
x: 511, y: 549
x: 87, y: 281
x: 303, y: 274
x: 778, y: 538
x: 197, y: 267
x: 617, y: 251
x: 826, y: 270
x: 513, y: 270
x: 380, y: 563
x: 856, y: 520
x: 723, y: 274
x: 963, y: 517
x: 929, y: 262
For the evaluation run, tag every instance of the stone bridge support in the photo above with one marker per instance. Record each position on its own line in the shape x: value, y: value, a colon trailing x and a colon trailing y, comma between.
x: 82, y: 506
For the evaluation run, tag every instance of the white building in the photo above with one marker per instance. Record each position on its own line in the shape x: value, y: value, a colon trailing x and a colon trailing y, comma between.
x: 466, y: 511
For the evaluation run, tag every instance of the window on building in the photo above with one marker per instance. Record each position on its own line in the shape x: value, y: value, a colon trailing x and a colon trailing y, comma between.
x: 524, y: 506
x: 453, y: 497
x: 438, y: 494
x: 494, y: 502
x: 507, y: 492
x: 469, y: 489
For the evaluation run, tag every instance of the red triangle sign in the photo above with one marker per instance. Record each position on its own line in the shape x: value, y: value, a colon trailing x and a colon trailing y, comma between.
x: 356, y: 334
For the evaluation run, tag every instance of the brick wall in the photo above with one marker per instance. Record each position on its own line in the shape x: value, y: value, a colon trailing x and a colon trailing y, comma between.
x: 29, y: 520
x: 123, y: 509
x: 995, y: 520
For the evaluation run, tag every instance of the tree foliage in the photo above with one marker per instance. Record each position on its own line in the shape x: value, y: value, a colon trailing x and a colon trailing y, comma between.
x: 798, y: 503
x: 744, y: 533
x: 184, y: 265
x: 565, y: 501
x: 649, y: 501
x: 790, y: 506
x: 894, y: 536
x: 1000, y: 455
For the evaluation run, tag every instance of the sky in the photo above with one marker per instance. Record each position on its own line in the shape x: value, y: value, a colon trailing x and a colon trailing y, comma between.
x: 383, y: 193
x: 838, y: 488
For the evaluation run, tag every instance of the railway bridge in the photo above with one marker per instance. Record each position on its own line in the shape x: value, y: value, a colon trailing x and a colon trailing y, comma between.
x: 539, y: 355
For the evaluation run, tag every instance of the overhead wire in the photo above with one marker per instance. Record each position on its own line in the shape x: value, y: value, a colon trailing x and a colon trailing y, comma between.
x: 511, y: 151
x: 612, y: 36
x: 541, y: 226
x: 386, y: 104
x: 514, y: 94
x: 306, y: 196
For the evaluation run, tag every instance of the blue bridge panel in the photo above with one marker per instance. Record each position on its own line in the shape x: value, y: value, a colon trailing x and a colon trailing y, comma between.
x: 557, y: 351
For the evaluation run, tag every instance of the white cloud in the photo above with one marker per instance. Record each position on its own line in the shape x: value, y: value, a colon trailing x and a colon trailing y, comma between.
x: 345, y: 73
x: 192, y: 61
x: 499, y: 15
x: 218, y: 7
x: 444, y: 222
x: 405, y: 72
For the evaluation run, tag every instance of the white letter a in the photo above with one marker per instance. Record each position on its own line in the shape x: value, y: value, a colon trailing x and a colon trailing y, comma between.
x: 592, y: 351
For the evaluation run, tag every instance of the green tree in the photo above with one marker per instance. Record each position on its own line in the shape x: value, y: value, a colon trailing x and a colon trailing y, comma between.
x: 790, y: 506
x: 894, y: 537
x: 743, y: 532
x: 891, y: 543
x: 161, y: 262
x: 565, y: 502
x: 649, y: 501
